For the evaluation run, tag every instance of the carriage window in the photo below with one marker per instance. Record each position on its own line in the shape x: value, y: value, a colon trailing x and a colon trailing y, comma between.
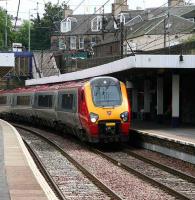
x: 68, y: 101
x: 45, y: 101
x: 23, y: 100
x: 3, y: 99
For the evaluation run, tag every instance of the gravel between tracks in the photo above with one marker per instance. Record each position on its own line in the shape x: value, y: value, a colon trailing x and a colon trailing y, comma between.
x: 180, y: 165
x: 125, y: 184
x: 168, y: 179
x: 73, y: 184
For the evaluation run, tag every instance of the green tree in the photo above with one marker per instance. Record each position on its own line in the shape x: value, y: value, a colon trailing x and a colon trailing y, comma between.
x: 22, y: 36
x: 42, y: 28
x: 10, y: 34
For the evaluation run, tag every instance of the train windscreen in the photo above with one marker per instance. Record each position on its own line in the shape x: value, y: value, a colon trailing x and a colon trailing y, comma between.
x: 106, y: 92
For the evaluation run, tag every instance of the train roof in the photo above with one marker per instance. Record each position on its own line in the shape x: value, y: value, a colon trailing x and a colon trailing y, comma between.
x: 53, y: 87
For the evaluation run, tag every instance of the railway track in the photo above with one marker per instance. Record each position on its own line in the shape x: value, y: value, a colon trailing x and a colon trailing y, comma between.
x: 176, y: 183
x: 44, y: 172
x: 107, y: 191
x: 117, y: 182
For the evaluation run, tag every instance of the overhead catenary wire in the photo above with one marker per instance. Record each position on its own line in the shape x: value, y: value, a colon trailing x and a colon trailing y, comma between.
x: 180, y: 32
x: 122, y: 34
x: 101, y: 7
x: 115, y: 10
x: 77, y: 27
x: 160, y: 37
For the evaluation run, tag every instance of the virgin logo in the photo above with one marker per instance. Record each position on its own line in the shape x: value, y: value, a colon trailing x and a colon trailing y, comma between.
x: 109, y: 112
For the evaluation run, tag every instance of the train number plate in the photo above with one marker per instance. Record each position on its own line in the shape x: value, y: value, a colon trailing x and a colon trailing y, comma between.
x: 110, y: 124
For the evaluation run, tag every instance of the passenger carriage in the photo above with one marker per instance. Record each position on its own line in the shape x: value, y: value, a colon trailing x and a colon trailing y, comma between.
x: 22, y: 104
x: 94, y: 110
x: 5, y: 102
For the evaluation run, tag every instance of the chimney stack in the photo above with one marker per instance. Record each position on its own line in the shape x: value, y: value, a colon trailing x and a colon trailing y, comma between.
x: 67, y: 11
x: 119, y: 6
x: 173, y: 3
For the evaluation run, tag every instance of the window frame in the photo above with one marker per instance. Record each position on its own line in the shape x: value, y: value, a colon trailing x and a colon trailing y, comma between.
x: 23, y: 95
x: 65, y: 25
x: 75, y: 101
x: 81, y: 42
x: 98, y: 23
x: 73, y: 47
x: 44, y: 94
x: 6, y: 99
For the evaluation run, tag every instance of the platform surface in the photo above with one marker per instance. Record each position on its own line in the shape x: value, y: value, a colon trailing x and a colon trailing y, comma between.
x: 184, y: 134
x: 19, y: 177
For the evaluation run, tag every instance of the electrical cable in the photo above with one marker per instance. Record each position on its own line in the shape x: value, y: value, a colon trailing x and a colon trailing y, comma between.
x: 145, y: 45
x: 17, y: 14
x: 171, y: 39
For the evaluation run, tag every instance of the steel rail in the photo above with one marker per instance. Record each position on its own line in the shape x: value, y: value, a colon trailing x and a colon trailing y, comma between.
x: 142, y: 176
x: 85, y: 171
x: 44, y: 172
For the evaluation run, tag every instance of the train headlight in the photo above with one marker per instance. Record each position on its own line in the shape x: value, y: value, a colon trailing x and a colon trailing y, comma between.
x: 93, y: 117
x: 124, y: 116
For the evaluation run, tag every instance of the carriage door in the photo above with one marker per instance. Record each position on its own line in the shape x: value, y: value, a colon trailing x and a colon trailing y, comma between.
x: 67, y: 108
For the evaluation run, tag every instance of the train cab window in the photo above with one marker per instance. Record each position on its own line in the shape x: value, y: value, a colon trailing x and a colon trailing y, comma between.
x: 3, y: 100
x: 23, y: 100
x: 45, y: 101
x: 106, y: 92
x: 68, y: 101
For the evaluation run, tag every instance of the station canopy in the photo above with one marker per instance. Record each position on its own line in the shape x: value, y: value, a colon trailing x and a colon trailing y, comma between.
x: 7, y: 63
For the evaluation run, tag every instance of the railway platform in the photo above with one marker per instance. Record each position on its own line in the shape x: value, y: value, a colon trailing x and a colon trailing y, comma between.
x: 175, y: 142
x: 19, y: 177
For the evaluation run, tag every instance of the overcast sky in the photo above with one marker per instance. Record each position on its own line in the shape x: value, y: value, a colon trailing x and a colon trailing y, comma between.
x: 88, y: 6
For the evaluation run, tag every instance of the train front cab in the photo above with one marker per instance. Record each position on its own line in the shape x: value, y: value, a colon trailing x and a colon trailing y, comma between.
x: 107, y: 109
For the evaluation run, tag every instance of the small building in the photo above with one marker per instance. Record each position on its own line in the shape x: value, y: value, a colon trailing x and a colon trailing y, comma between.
x: 101, y: 34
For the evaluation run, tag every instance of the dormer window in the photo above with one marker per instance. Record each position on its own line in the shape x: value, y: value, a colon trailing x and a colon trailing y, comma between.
x: 66, y: 24
x: 168, y: 25
x: 120, y: 18
x: 96, y: 23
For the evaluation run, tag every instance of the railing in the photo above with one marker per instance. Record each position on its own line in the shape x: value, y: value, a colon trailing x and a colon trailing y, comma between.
x: 79, y: 64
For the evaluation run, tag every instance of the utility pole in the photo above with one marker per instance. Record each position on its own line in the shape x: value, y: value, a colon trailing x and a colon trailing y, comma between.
x: 103, y: 24
x: 29, y: 26
x: 166, y: 29
x: 165, y: 33
x: 122, y: 37
x: 6, y: 26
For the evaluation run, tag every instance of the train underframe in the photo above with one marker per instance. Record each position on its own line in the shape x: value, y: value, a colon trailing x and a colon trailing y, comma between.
x: 104, y: 131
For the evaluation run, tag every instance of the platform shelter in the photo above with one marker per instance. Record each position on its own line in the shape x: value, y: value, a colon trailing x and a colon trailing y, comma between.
x: 160, y: 86
x: 7, y: 63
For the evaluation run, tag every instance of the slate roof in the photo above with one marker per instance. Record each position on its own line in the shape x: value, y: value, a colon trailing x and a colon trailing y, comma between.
x: 83, y: 25
x: 138, y: 27
x: 155, y: 26
x: 182, y: 11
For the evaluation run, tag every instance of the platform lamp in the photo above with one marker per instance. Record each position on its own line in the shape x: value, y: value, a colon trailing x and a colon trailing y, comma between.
x: 181, y: 56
